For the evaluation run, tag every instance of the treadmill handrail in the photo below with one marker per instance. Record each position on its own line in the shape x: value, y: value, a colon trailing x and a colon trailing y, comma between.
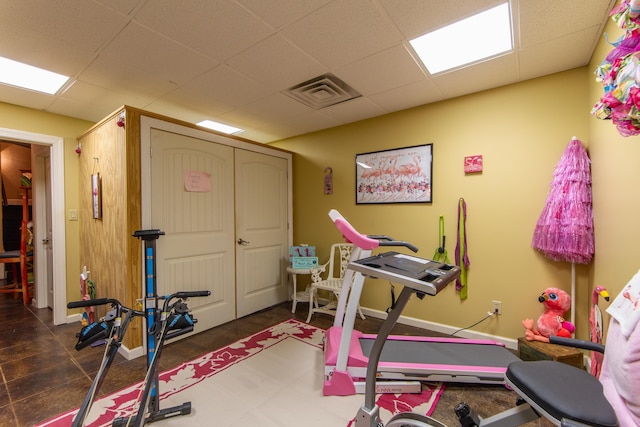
x: 388, y: 241
x: 363, y: 241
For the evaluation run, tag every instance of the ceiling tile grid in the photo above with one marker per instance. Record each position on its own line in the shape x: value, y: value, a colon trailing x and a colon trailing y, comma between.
x: 231, y: 60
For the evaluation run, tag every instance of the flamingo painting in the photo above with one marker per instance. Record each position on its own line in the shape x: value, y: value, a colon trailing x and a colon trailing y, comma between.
x: 394, y: 176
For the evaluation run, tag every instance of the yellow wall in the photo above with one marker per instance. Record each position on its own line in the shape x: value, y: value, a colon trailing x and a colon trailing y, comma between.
x: 28, y: 120
x: 521, y: 130
x: 615, y: 173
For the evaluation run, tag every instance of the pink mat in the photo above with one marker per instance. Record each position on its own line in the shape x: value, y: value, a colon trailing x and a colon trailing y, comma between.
x: 186, y: 375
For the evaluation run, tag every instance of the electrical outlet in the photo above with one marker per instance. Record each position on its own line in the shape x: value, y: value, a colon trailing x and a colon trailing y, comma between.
x: 497, y: 307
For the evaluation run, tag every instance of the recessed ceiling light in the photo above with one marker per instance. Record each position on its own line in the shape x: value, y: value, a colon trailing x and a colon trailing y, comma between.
x: 29, y: 77
x: 210, y: 124
x: 470, y: 40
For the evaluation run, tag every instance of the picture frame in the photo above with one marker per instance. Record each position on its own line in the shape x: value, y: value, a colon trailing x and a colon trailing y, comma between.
x: 96, y: 196
x: 399, y: 175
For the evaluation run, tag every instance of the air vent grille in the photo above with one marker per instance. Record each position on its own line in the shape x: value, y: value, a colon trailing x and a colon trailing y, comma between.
x: 322, y: 91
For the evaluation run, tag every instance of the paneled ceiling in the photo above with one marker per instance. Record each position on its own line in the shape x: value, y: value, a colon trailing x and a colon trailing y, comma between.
x: 232, y: 60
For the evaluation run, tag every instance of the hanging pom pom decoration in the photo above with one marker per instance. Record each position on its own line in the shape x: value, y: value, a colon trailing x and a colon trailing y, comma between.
x: 121, y: 119
x: 620, y: 73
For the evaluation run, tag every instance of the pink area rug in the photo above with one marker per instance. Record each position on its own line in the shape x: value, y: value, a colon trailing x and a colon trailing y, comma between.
x: 273, y: 378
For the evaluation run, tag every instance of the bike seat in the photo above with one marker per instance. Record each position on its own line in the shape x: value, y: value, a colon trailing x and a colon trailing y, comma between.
x: 562, y: 391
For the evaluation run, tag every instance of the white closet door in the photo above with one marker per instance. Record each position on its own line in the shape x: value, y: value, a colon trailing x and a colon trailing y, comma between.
x: 261, y: 231
x: 192, y: 202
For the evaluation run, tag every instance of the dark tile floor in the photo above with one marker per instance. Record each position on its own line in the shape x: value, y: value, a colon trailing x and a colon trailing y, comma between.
x: 43, y: 375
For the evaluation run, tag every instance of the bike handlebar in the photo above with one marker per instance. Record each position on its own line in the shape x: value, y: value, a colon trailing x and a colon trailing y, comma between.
x: 104, y: 301
x: 191, y: 294
x: 90, y: 302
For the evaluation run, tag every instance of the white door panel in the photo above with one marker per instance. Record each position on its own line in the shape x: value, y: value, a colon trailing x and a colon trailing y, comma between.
x: 192, y: 203
x: 261, y: 231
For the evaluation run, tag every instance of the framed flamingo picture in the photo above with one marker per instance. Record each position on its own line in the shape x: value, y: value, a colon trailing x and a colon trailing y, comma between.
x: 401, y: 175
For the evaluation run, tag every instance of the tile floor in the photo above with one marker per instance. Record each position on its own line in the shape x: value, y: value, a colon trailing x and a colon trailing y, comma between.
x: 43, y: 375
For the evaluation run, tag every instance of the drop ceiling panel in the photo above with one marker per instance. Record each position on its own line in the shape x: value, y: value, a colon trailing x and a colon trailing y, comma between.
x: 43, y: 51
x: 343, y: 31
x: 81, y: 23
x: 380, y: 72
x: 279, y: 13
x: 125, y: 7
x: 106, y: 73
x: 216, y: 28
x: 418, y: 17
x: 544, y: 20
x: 290, y: 112
x: 264, y: 61
x: 353, y: 110
x: 222, y: 85
x: 567, y: 52
x: 408, y: 96
x: 191, y: 113
x: 81, y: 99
x: 71, y: 109
x: 486, y: 75
x: 259, y: 122
x: 84, y: 93
x: 205, y: 108
x: 25, y: 98
x: 231, y: 59
x: 155, y: 55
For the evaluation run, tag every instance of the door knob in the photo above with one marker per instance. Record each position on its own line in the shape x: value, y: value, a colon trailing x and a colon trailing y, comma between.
x: 242, y: 242
x: 45, y: 241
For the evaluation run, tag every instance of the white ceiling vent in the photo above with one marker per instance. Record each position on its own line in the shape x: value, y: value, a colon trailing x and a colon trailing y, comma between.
x: 322, y: 91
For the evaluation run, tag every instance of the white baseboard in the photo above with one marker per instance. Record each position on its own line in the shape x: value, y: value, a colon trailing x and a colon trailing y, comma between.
x: 127, y: 353
x: 444, y: 329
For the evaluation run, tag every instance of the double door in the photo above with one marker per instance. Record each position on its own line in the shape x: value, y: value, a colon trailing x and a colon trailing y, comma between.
x: 224, y: 212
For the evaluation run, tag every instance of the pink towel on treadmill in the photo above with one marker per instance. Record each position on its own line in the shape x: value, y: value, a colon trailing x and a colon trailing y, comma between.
x: 620, y: 374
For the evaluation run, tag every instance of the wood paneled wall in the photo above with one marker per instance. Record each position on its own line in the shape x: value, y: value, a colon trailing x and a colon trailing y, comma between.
x: 107, y: 247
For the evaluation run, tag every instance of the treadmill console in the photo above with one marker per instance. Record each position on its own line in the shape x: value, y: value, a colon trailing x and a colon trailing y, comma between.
x: 421, y: 274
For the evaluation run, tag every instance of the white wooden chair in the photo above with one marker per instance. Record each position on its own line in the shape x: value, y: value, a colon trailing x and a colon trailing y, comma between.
x: 329, y: 277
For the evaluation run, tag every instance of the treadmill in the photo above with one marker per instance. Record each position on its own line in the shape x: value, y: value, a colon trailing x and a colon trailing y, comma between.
x: 405, y: 360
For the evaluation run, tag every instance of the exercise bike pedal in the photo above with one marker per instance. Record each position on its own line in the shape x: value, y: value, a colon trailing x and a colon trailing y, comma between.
x: 180, y: 321
x: 466, y: 415
x: 92, y: 333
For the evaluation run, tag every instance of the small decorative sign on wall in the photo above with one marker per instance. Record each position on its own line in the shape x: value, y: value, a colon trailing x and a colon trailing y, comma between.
x: 196, y: 181
x: 473, y: 164
x: 96, y: 192
x: 328, y: 180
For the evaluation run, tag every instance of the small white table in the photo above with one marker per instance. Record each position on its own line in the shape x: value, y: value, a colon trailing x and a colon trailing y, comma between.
x: 295, y: 295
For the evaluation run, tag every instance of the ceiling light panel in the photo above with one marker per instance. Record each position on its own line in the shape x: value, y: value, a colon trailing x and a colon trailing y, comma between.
x: 479, y: 37
x: 29, y: 77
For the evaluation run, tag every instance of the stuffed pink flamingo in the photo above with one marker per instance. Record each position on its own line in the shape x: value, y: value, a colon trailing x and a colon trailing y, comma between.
x: 596, y: 323
x: 551, y: 323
